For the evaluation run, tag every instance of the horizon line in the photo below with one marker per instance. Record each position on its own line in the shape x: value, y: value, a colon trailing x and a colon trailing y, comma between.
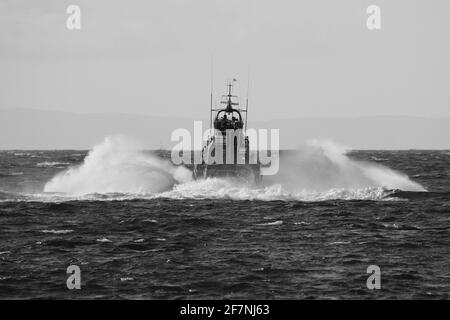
x: 189, y: 118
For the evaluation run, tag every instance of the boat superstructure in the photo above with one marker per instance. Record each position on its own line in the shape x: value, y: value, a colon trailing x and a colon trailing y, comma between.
x: 226, y: 152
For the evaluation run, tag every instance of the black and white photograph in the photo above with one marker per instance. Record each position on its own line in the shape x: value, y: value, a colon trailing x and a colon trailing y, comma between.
x: 224, y: 150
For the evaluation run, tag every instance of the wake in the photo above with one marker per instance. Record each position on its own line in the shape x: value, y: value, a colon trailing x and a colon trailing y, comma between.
x: 118, y: 169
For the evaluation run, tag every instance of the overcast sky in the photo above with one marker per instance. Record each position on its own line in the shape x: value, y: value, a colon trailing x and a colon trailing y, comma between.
x: 307, y: 58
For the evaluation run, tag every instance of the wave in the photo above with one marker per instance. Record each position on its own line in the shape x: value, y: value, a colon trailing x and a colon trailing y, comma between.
x: 52, y: 164
x: 274, y: 223
x: 323, y: 166
x: 118, y: 166
x: 378, y: 159
x: 226, y: 189
x: 22, y: 154
x: 215, y: 188
x: 117, y: 169
x: 11, y: 174
x: 57, y: 231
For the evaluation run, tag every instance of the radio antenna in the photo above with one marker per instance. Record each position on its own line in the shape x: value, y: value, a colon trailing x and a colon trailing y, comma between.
x: 246, y: 103
x: 212, y: 84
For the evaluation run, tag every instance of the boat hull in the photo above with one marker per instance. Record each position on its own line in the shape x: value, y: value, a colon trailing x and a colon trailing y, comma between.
x: 248, y: 172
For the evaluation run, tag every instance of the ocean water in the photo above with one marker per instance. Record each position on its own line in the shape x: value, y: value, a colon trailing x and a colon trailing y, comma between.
x: 140, y: 228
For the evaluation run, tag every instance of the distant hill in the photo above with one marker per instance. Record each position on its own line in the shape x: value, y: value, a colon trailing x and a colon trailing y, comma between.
x: 38, y: 129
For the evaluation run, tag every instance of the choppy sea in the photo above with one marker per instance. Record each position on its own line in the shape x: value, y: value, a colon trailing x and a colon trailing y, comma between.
x: 139, y: 228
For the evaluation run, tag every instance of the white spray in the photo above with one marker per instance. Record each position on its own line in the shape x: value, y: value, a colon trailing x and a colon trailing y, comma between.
x: 317, y: 171
x: 321, y: 166
x: 118, y: 166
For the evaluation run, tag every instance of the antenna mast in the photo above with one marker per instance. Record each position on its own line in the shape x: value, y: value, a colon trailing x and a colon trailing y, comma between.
x: 211, y: 104
x: 246, y: 103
